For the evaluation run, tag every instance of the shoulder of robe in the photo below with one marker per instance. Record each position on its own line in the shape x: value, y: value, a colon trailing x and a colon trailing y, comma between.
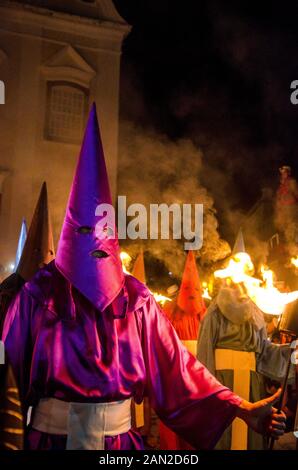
x: 11, y: 285
x: 138, y: 293
x: 212, y: 313
x: 48, y: 286
x: 45, y: 283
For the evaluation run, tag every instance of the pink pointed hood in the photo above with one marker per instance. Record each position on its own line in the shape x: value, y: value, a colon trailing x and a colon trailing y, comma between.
x: 86, y: 256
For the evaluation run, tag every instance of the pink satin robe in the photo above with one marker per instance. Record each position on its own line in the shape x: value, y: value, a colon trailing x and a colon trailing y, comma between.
x: 62, y: 347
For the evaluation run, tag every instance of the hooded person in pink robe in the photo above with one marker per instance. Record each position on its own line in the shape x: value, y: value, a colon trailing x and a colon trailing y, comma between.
x: 83, y: 339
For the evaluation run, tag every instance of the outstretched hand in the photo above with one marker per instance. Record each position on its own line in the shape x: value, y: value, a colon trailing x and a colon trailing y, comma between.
x: 262, y: 417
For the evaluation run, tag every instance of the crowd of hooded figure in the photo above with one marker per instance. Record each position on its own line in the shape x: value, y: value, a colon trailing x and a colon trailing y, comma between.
x: 85, y: 342
x: 230, y: 338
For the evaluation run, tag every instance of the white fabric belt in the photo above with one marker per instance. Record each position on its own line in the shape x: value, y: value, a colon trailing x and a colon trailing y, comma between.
x: 85, y: 424
x: 242, y: 363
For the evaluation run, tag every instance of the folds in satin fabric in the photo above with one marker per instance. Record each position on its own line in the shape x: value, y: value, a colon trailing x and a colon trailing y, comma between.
x: 93, y: 356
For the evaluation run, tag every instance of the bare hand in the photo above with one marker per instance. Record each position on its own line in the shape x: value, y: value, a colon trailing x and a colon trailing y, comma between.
x: 262, y: 417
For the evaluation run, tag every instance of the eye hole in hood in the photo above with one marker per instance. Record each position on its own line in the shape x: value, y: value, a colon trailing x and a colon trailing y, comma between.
x: 99, y: 254
x: 85, y: 229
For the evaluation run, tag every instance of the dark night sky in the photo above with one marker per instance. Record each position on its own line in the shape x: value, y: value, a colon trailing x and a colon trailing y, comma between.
x: 218, y: 73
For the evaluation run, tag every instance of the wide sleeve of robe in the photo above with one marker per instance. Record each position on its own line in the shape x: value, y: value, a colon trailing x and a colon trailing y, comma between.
x: 187, y: 398
x: 273, y: 358
x: 17, y: 338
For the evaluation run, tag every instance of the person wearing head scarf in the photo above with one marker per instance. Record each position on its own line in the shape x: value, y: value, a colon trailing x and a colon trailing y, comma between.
x: 83, y: 339
x: 233, y: 345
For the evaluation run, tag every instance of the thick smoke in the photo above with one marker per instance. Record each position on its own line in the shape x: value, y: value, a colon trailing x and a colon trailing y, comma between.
x: 153, y: 169
x: 229, y: 96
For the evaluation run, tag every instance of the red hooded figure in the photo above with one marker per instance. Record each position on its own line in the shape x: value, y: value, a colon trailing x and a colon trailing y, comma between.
x: 188, y: 310
x: 185, y: 315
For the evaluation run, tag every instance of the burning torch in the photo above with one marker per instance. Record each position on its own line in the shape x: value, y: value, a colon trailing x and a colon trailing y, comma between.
x: 289, y: 325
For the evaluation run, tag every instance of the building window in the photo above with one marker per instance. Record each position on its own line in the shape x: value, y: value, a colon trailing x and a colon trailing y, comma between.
x: 66, y: 110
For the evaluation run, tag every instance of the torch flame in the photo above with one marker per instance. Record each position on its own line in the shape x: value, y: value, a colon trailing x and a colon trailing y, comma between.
x: 161, y: 299
x: 267, y: 276
x: 205, y: 293
x: 261, y: 291
x: 126, y: 260
x: 294, y: 261
x: 268, y: 298
x: 238, y: 268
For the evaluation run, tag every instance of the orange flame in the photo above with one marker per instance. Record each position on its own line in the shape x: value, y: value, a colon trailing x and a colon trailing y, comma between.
x: 261, y: 291
x: 161, y: 299
x: 205, y: 289
x: 126, y: 260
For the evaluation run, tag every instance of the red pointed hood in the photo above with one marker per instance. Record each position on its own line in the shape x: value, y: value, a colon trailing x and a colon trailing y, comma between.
x: 187, y: 311
x: 88, y: 257
x: 190, y: 298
